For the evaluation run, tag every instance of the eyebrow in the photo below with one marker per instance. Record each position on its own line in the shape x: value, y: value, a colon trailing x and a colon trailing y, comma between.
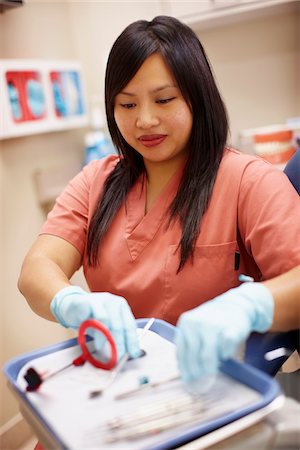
x: 154, y: 91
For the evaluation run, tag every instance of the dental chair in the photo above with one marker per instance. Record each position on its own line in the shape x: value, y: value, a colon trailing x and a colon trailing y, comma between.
x: 259, y: 344
x: 292, y: 170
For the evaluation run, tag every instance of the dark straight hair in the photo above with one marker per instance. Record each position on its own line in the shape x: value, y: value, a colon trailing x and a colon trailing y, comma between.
x: 186, y: 58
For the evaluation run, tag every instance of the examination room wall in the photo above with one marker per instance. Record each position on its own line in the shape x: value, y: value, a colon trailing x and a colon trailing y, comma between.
x: 257, y: 66
x: 258, y: 70
x: 27, y: 32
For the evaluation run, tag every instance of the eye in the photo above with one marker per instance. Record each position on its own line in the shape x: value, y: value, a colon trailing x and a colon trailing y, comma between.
x: 163, y: 101
x: 128, y: 105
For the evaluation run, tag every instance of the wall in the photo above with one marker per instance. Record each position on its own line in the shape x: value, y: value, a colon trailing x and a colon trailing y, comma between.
x: 257, y: 66
x: 32, y: 31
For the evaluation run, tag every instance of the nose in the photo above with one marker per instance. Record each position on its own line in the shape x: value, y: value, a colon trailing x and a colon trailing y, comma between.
x: 147, y: 118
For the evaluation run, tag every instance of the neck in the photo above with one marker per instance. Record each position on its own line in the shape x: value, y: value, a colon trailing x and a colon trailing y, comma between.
x: 158, y: 176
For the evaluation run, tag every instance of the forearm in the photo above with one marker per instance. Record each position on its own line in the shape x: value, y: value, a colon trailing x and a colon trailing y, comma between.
x: 286, y: 293
x: 47, y: 268
x: 40, y: 279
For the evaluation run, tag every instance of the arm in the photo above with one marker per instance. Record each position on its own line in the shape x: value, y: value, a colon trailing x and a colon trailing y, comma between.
x: 212, y: 332
x: 45, y: 283
x: 47, y: 268
x: 285, y: 290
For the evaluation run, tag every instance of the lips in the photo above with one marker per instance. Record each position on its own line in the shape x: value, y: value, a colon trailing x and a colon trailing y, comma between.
x: 151, y: 140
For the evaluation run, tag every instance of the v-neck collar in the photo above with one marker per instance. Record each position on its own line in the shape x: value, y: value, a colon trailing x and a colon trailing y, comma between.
x: 141, y: 227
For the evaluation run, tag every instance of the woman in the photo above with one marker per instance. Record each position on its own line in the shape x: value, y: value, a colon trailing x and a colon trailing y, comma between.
x: 175, y: 219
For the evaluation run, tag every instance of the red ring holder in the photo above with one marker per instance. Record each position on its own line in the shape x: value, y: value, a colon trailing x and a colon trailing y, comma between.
x: 86, y: 355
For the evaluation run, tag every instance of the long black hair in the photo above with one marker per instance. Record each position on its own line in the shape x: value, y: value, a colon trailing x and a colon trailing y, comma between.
x: 186, y: 58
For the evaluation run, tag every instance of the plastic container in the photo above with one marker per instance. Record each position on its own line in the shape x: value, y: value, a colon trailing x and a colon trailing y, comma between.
x: 97, y: 146
x: 97, y: 143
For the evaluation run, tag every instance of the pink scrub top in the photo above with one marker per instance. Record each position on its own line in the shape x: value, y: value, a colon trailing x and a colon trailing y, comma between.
x: 254, y: 211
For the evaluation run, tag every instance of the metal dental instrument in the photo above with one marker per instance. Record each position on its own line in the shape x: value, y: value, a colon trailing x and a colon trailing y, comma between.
x: 156, y: 417
x: 137, y: 390
x: 120, y: 365
x: 161, y: 414
x: 155, y: 426
x: 158, y: 409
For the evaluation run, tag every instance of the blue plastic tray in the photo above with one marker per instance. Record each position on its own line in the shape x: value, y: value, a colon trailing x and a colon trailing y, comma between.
x: 267, y: 388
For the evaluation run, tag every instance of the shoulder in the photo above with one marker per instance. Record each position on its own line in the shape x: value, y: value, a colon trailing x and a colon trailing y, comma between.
x: 234, y: 159
x: 100, y: 169
x: 93, y: 176
x: 85, y: 187
x: 259, y: 184
x: 253, y: 179
x: 236, y: 168
x: 251, y: 168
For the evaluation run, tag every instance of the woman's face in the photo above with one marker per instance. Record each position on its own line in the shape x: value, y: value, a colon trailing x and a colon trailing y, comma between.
x: 152, y: 115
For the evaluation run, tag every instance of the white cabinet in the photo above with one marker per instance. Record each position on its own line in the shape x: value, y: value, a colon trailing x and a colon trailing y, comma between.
x: 39, y: 96
x: 217, y: 12
x: 182, y: 9
x: 188, y: 8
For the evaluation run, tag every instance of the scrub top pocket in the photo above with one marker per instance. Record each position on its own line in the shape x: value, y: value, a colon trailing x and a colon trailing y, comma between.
x: 210, y: 273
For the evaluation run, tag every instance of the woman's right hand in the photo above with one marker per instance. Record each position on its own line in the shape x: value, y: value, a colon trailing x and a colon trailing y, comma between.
x: 72, y: 305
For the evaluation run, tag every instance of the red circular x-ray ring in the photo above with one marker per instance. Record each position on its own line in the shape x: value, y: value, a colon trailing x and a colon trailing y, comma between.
x: 86, y: 354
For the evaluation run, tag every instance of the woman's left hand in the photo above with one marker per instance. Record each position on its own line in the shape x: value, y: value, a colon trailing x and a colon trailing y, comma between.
x: 212, y: 332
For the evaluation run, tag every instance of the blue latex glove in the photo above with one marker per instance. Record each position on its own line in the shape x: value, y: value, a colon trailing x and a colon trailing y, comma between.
x: 72, y: 305
x: 212, y: 332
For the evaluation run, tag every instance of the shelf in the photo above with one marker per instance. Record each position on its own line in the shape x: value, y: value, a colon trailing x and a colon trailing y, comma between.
x: 38, y: 96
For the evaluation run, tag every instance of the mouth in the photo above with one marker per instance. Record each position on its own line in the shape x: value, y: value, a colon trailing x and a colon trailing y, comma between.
x: 151, y: 140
